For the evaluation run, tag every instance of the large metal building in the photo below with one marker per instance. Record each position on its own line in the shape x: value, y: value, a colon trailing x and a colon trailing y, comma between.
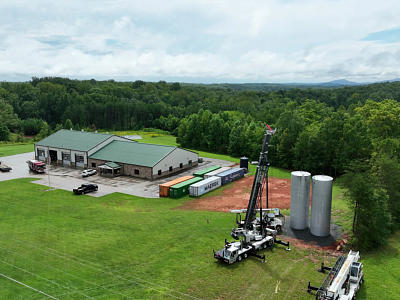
x: 72, y: 148
x: 143, y: 160
x: 112, y: 155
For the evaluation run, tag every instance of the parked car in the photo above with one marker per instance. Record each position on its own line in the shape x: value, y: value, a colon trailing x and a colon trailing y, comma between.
x: 4, y: 168
x: 88, y: 172
x: 85, y: 188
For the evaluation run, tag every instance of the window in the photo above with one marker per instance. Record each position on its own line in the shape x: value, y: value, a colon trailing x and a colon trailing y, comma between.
x: 159, y: 172
x: 93, y: 165
x: 170, y: 169
x: 181, y: 165
x: 79, y: 158
x: 136, y: 171
x: 190, y: 163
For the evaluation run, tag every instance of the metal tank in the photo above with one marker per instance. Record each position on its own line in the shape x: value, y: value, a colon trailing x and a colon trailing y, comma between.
x: 300, y: 199
x: 321, y: 202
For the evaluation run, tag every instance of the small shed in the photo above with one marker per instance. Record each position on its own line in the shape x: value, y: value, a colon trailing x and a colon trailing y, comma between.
x: 110, y: 169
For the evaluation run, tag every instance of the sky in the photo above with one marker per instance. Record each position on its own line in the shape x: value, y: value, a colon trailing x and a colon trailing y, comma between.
x: 201, y: 41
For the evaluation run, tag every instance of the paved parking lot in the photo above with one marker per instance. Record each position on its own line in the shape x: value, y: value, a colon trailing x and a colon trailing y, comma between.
x: 67, y: 178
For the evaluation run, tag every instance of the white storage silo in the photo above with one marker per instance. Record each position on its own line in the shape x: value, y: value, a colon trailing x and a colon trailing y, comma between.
x: 299, y: 199
x: 321, y: 202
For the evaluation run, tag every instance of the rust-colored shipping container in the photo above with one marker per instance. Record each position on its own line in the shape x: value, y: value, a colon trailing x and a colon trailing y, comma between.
x: 164, y: 188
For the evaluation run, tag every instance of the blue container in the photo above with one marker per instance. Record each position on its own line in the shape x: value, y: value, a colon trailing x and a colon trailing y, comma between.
x: 231, y: 175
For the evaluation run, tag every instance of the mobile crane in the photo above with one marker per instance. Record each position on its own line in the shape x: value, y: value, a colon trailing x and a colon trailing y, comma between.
x: 343, y: 281
x: 253, y: 233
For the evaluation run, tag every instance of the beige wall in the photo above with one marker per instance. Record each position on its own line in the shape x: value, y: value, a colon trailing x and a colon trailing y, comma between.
x: 174, y: 159
x: 174, y: 170
x: 126, y: 169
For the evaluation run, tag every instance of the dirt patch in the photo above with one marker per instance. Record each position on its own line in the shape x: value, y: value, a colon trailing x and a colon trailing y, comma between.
x: 238, y: 194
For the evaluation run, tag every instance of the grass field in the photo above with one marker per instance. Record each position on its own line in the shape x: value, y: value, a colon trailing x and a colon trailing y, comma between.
x: 126, y: 247
x: 12, y: 149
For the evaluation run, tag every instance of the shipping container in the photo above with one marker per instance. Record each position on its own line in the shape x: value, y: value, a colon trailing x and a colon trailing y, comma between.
x: 202, y: 172
x: 164, y: 187
x: 182, y: 189
x: 204, y: 186
x: 231, y: 175
x: 213, y: 173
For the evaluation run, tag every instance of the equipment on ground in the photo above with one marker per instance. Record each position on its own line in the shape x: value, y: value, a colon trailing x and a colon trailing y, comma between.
x: 343, y: 280
x: 85, y: 188
x: 253, y: 233
x: 272, y: 217
x: 36, y: 165
x: 4, y: 168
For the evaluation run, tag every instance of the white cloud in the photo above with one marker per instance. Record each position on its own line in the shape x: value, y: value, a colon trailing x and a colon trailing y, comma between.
x: 264, y: 41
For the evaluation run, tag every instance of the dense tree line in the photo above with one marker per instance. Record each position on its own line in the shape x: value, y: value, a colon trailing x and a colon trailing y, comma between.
x: 362, y: 141
x: 134, y: 105
x: 334, y: 131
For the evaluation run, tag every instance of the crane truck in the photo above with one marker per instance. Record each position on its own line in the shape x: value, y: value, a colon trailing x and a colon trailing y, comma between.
x: 343, y: 280
x: 253, y: 233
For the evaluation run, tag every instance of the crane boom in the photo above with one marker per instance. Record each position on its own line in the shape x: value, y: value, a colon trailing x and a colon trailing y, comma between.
x: 254, y: 234
x: 259, y: 178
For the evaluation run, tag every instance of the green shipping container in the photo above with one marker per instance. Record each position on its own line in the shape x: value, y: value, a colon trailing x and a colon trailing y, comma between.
x: 182, y: 189
x: 202, y: 172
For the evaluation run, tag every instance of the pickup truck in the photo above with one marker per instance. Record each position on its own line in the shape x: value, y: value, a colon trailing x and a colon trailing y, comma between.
x: 4, y: 168
x: 85, y: 188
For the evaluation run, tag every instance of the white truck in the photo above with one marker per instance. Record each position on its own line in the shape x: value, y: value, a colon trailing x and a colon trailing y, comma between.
x: 343, y: 281
x: 272, y: 217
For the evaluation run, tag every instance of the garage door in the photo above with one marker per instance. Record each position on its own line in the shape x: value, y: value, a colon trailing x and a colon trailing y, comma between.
x: 66, y: 159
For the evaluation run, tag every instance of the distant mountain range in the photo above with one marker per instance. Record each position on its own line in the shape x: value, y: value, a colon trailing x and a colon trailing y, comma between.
x: 285, y: 86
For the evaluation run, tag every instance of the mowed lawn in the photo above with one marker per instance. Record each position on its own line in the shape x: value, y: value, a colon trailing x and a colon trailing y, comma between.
x: 12, y: 149
x: 126, y: 247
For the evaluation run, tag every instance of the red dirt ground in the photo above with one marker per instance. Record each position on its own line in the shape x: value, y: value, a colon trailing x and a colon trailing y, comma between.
x: 237, y: 196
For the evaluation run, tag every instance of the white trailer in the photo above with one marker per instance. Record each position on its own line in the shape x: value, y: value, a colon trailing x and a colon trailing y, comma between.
x: 214, y: 173
x: 343, y: 281
x: 202, y: 187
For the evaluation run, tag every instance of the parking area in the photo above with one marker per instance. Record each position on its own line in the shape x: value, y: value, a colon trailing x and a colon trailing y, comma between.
x: 68, y: 178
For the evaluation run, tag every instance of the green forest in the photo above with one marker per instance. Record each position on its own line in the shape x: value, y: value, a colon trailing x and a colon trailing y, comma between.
x: 351, y: 131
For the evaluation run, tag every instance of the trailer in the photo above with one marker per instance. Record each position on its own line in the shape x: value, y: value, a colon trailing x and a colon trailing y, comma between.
x: 202, y: 187
x: 343, y: 280
x: 164, y: 187
x: 216, y: 172
x: 231, y: 175
x: 182, y: 189
x: 202, y: 172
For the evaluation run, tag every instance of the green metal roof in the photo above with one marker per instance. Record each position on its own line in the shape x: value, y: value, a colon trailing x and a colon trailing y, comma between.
x: 112, y: 165
x: 187, y: 182
x: 134, y: 153
x: 74, y: 140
